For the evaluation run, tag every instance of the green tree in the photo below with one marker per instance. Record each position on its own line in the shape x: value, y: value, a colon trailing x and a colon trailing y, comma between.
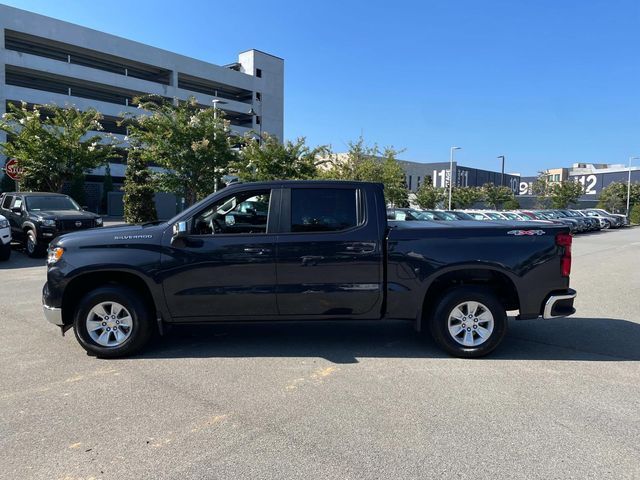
x: 54, y: 144
x: 191, y: 142
x: 428, y: 196
x: 76, y: 190
x: 634, y: 217
x: 271, y: 160
x: 495, y: 195
x: 465, y: 197
x: 6, y: 184
x: 369, y: 164
x: 139, y: 205
x: 107, y: 186
x: 393, y: 178
x: 511, y: 204
x: 359, y: 163
x: 613, y: 197
x: 541, y: 188
x: 565, y: 193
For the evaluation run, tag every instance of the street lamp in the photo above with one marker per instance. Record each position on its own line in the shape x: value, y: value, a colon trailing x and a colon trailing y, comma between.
x: 451, y: 172
x: 629, y: 184
x: 216, y: 102
x: 502, y: 171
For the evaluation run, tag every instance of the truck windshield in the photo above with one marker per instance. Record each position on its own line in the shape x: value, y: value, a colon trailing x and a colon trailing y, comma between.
x: 36, y: 204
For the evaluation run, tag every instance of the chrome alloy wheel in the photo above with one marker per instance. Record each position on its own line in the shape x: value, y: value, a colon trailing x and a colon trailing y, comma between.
x: 470, y: 324
x: 109, y: 324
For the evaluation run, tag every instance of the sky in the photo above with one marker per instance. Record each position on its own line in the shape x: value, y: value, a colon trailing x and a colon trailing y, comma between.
x: 546, y: 83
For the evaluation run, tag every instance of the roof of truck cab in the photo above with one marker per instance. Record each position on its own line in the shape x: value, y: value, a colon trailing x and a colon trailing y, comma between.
x: 285, y: 183
x: 36, y: 194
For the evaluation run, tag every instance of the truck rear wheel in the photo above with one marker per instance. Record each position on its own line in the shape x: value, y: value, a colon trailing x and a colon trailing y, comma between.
x: 469, y: 322
x: 112, y: 321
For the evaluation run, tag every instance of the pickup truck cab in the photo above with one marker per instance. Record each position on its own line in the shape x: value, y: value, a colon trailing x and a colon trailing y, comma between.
x: 36, y: 218
x: 305, y: 251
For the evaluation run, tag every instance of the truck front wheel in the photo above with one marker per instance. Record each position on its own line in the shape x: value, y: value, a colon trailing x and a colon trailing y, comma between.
x: 35, y: 249
x: 112, y: 321
x: 469, y: 322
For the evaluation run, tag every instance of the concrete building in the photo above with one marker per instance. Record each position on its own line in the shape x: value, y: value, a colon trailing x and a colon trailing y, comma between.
x: 43, y: 60
x: 594, y: 177
x: 417, y: 173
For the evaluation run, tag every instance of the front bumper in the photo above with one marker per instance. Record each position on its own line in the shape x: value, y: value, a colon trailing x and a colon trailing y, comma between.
x: 5, y: 236
x: 559, y: 304
x: 53, y: 315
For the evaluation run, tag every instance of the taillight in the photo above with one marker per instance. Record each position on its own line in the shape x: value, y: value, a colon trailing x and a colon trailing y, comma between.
x: 564, y: 240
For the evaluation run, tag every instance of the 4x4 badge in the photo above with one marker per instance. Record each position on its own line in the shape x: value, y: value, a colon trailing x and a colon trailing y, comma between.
x: 520, y: 233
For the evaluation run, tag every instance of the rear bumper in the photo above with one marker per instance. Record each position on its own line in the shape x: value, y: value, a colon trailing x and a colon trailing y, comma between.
x: 559, y: 304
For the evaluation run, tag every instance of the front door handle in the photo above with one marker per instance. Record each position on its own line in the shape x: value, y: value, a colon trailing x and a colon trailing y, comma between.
x: 311, y: 260
x: 259, y: 251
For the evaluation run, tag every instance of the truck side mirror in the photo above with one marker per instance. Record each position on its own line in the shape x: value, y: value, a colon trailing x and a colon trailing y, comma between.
x: 16, y: 209
x: 179, y: 233
x: 179, y: 229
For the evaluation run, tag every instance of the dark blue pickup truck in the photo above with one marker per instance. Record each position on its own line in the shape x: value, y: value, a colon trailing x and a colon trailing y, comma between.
x: 306, y: 250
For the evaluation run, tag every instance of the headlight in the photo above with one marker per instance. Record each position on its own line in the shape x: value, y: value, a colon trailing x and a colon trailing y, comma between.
x: 4, y: 223
x: 48, y: 223
x: 54, y: 255
x: 99, y: 221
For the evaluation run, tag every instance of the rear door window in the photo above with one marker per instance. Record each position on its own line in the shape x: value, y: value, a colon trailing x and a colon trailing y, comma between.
x: 324, y: 209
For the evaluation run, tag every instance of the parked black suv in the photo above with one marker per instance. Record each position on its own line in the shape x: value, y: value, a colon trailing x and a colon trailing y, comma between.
x: 36, y: 218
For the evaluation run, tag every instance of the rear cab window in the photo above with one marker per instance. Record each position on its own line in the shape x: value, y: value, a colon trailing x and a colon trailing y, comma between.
x: 325, y: 209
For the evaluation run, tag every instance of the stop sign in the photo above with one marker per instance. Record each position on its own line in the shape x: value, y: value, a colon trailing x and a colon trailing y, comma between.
x: 13, y: 170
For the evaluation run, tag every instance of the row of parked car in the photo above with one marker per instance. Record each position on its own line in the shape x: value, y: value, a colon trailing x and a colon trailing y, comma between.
x: 578, y: 221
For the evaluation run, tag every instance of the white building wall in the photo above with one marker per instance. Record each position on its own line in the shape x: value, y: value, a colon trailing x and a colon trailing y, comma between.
x: 270, y: 86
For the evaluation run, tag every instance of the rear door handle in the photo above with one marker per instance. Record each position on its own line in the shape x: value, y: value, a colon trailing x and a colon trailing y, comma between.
x: 259, y: 251
x: 361, y: 248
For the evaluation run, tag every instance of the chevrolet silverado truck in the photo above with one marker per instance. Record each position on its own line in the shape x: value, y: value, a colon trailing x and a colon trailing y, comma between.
x: 305, y: 251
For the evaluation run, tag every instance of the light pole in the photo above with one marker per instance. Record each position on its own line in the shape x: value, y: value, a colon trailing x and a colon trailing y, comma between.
x: 502, y: 171
x: 629, y: 184
x: 451, y: 172
x: 216, y: 101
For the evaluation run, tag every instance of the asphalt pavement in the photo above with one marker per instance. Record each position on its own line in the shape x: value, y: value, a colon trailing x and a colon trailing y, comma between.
x: 559, y: 399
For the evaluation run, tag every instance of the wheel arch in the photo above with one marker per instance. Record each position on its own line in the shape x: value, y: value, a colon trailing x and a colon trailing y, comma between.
x: 26, y: 226
x: 490, y: 277
x: 86, y: 282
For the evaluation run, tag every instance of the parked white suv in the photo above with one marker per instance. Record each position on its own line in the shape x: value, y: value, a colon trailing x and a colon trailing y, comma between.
x: 5, y: 239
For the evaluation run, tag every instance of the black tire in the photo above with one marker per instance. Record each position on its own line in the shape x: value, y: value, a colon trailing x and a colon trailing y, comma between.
x: 142, y: 324
x: 439, y: 322
x: 34, y: 248
x: 5, y: 252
